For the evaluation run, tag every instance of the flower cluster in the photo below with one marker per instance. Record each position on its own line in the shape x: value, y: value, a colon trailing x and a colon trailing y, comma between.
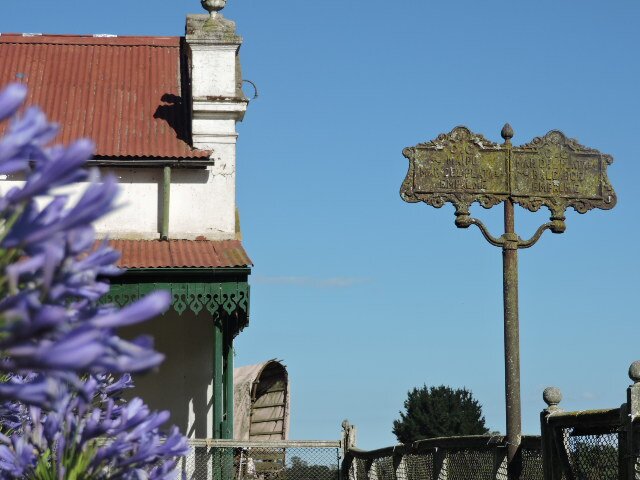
x: 93, y: 434
x: 59, y: 351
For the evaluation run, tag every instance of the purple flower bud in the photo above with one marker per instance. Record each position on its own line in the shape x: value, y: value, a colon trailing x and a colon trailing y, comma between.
x: 17, y: 459
x: 11, y: 98
x: 41, y: 392
x: 150, y: 306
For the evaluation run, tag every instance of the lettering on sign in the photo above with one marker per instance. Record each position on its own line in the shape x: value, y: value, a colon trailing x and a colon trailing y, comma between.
x: 555, y: 176
x: 459, y: 167
x: 462, y: 167
x: 459, y: 170
x: 558, y: 172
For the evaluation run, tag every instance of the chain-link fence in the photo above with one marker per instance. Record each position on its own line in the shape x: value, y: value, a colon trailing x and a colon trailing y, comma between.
x: 236, y: 460
x: 455, y: 458
x: 585, y: 445
x: 592, y: 456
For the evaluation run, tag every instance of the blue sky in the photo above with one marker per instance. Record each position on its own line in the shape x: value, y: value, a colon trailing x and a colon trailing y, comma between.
x: 364, y: 296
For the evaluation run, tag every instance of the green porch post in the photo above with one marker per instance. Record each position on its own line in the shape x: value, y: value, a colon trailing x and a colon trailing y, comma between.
x: 222, y: 381
x: 218, y: 373
x: 227, y: 376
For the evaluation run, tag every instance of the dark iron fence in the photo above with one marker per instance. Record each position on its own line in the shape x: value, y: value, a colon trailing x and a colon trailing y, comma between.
x: 585, y: 445
x: 593, y: 444
x: 452, y: 458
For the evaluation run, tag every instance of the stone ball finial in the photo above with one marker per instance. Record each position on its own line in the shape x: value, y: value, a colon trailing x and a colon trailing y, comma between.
x: 634, y: 371
x: 213, y: 6
x: 552, y: 396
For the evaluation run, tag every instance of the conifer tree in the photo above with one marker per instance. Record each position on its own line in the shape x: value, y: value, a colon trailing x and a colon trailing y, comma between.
x: 431, y: 412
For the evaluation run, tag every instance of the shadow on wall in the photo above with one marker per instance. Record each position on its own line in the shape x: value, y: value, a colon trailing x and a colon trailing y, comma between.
x: 182, y: 382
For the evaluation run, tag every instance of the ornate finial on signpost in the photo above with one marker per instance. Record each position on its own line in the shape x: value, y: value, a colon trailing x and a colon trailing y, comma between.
x: 507, y: 133
x: 213, y: 6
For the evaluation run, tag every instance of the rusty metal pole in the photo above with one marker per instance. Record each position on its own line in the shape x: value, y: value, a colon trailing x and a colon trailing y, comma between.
x: 511, y: 341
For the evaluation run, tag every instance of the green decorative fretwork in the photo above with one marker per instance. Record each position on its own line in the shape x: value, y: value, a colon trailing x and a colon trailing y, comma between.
x: 223, y: 299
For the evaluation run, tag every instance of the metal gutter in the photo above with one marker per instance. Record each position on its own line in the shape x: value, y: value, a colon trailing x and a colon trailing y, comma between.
x: 218, y: 443
x: 149, y: 162
x: 189, y: 270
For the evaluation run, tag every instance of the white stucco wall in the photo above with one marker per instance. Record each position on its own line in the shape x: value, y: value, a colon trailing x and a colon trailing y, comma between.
x: 183, y: 383
x: 203, y: 201
x: 213, y: 69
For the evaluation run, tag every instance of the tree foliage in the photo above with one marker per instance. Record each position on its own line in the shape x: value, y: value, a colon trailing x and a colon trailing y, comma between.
x: 301, y: 469
x: 431, y: 412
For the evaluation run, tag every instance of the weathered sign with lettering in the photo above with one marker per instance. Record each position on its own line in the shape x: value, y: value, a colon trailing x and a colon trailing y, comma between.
x: 463, y: 167
x: 558, y: 172
x: 460, y: 167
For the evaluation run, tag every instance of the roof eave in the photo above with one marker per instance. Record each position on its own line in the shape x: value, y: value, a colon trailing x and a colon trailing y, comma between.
x: 168, y: 274
x: 150, y: 162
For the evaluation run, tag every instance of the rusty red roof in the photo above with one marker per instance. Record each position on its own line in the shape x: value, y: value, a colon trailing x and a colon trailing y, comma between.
x: 181, y: 254
x: 125, y: 93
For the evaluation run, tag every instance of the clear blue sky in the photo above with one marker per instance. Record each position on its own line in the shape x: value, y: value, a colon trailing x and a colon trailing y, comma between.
x: 364, y: 296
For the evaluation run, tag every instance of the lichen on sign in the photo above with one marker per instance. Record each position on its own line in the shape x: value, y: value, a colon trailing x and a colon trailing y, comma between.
x: 558, y: 172
x: 460, y: 167
x: 463, y: 167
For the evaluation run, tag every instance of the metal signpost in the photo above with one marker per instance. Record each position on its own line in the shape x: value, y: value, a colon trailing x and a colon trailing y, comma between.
x: 554, y: 171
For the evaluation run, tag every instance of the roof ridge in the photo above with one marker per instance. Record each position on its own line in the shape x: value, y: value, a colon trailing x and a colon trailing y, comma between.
x: 92, y: 39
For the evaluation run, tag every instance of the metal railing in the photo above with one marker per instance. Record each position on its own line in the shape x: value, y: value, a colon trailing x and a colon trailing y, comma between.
x: 450, y: 458
x: 585, y: 445
x: 273, y: 460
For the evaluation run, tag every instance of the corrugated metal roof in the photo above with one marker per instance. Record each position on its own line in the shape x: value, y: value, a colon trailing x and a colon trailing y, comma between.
x: 181, y: 254
x: 124, y: 93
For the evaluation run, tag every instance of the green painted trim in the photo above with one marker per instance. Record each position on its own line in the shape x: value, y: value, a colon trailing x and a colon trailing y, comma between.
x: 224, y: 301
x: 218, y: 380
x: 227, y: 377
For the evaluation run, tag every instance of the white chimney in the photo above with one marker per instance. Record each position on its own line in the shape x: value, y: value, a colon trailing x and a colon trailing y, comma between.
x: 217, y: 103
x: 216, y: 78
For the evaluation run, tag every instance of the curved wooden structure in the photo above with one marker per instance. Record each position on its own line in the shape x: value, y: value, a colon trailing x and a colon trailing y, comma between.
x: 261, y: 402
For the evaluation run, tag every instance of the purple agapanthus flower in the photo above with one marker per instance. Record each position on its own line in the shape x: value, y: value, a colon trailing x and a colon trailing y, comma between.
x: 123, y: 438
x: 62, y: 366
x: 51, y: 321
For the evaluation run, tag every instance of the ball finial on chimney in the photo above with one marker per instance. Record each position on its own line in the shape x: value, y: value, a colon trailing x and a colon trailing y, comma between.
x: 213, y: 6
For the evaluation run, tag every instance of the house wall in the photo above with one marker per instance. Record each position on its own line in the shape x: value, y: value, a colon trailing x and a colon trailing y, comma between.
x: 183, y: 383
x: 203, y: 201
